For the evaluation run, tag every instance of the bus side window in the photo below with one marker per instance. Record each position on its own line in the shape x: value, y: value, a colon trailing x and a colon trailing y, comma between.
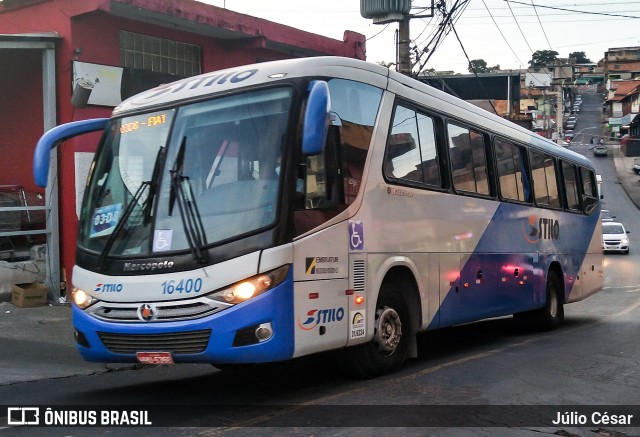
x: 571, y: 186
x: 513, y: 182
x: 545, y: 183
x: 589, y: 193
x: 323, y: 195
x: 468, y: 160
x: 412, y: 154
x: 333, y: 178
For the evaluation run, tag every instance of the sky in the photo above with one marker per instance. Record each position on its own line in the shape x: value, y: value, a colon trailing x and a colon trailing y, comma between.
x: 500, y: 32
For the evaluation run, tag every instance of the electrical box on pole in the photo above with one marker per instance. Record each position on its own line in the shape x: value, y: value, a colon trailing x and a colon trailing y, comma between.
x: 385, y: 11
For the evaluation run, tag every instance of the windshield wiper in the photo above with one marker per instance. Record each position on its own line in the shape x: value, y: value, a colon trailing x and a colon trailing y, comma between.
x: 122, y: 221
x: 189, y: 214
x: 153, y: 186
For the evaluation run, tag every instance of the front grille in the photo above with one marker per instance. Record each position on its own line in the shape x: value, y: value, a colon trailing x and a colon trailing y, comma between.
x: 189, y: 342
x: 612, y: 242
x: 166, y: 313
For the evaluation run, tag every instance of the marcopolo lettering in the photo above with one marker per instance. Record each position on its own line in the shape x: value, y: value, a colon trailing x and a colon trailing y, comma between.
x: 150, y: 266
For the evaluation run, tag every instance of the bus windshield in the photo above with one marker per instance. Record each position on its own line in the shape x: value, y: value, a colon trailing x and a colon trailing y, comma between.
x: 200, y: 174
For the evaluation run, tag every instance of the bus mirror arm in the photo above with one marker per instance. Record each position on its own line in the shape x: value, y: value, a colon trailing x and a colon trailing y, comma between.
x: 55, y: 136
x: 590, y: 204
x: 316, y: 118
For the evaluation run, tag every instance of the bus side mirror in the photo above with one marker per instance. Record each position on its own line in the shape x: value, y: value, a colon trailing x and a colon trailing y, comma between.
x: 55, y: 136
x: 316, y: 118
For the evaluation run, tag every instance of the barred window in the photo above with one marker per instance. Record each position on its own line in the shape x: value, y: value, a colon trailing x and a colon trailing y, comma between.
x: 159, y: 55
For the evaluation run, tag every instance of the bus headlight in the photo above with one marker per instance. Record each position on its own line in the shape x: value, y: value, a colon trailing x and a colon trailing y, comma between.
x: 82, y: 299
x: 252, y: 287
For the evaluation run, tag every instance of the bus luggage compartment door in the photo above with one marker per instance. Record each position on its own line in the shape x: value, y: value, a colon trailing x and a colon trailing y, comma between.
x: 321, y: 315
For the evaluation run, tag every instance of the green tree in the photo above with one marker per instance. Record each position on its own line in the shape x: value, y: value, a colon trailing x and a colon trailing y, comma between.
x: 580, y: 57
x: 542, y: 58
x: 478, y: 66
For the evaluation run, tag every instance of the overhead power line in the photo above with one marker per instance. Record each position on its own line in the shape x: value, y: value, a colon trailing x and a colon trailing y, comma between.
x: 520, y: 28
x: 606, y: 14
x: 502, y: 34
x: 475, y: 73
x: 541, y: 26
x: 449, y: 17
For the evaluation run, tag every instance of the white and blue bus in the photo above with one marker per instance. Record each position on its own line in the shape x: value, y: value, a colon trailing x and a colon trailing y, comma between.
x: 287, y: 208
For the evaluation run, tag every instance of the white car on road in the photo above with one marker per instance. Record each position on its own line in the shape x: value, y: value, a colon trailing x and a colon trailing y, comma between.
x: 614, y: 237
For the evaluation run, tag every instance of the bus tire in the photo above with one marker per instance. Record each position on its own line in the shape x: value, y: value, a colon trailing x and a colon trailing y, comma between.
x: 388, y: 349
x: 551, y: 315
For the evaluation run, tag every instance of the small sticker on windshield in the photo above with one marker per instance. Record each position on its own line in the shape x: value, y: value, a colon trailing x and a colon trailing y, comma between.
x: 162, y: 240
x: 104, y: 220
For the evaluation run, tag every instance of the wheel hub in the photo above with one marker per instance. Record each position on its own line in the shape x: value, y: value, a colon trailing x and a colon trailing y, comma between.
x: 388, y: 330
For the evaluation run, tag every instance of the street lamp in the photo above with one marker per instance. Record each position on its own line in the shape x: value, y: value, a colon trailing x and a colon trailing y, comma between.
x: 575, y: 137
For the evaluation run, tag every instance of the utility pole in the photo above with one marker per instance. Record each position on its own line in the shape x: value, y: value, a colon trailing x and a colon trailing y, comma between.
x: 404, y: 52
x: 559, y: 113
x: 545, y: 117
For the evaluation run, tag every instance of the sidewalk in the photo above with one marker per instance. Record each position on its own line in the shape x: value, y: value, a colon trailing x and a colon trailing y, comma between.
x: 628, y: 179
x: 37, y: 343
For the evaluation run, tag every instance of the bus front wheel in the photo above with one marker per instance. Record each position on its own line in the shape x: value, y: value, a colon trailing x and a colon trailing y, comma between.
x: 388, y: 350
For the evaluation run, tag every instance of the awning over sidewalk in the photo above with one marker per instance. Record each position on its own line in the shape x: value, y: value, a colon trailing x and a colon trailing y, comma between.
x: 621, y: 121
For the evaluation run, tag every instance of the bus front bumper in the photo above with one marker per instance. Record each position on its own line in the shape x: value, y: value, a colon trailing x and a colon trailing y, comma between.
x: 258, y: 330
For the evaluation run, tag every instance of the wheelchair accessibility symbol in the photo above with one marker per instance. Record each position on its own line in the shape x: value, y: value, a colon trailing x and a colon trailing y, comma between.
x: 162, y: 240
x: 356, y: 235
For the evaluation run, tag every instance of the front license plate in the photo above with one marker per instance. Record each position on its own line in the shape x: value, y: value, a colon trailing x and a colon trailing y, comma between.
x: 154, y: 357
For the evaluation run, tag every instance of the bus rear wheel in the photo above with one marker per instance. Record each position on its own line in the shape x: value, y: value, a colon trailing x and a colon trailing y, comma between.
x: 388, y: 349
x: 551, y: 315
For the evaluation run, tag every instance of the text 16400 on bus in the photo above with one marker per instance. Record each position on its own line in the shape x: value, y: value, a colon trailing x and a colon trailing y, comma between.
x: 276, y: 210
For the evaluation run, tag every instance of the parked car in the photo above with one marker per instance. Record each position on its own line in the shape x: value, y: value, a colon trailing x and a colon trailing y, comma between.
x: 636, y: 166
x: 571, y: 124
x: 605, y: 215
x: 569, y: 135
x: 614, y: 237
x: 600, y: 150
